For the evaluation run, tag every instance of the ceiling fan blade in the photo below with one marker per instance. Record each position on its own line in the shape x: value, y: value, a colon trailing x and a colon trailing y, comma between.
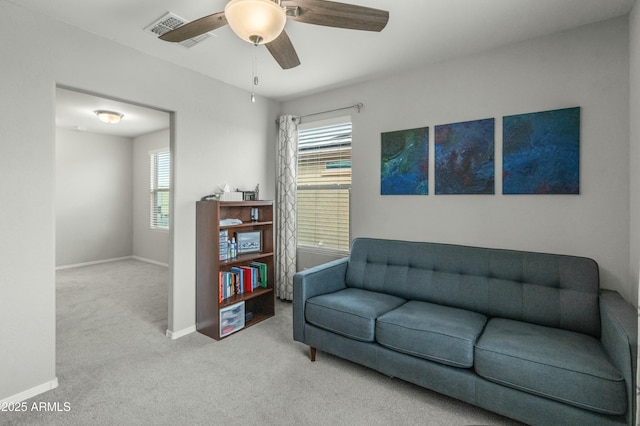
x: 283, y: 51
x: 339, y: 15
x: 196, y: 28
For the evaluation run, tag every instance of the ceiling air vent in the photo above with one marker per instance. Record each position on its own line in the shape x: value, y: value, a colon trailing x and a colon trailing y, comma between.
x: 169, y: 22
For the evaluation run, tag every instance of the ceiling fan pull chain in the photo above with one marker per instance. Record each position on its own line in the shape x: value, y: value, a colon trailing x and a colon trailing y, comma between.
x: 254, y: 73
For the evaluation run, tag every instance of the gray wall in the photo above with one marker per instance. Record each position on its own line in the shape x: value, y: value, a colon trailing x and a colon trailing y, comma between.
x: 93, y: 197
x: 149, y: 244
x: 586, y: 67
x: 213, y: 123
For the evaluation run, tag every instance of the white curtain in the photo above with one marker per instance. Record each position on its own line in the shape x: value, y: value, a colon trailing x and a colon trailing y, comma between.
x: 286, y: 240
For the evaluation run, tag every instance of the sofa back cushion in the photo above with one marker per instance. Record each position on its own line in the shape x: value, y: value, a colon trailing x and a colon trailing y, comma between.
x: 546, y: 289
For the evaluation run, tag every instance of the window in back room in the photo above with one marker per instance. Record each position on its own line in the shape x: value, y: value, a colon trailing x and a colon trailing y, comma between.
x: 159, y: 189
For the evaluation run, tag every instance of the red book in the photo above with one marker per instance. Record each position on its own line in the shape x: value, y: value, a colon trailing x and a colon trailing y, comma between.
x: 221, y: 286
x: 247, y: 278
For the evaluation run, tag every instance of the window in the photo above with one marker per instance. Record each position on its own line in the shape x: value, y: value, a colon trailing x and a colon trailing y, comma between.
x: 160, y: 184
x: 324, y: 186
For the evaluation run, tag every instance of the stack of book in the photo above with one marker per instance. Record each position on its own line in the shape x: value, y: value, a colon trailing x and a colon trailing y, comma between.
x: 242, y: 279
x: 224, y: 244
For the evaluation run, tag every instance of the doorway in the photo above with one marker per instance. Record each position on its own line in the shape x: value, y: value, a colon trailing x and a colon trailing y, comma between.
x: 103, y: 207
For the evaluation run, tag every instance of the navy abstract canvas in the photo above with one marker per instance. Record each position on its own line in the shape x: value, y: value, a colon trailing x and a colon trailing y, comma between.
x: 464, y: 157
x: 405, y: 162
x: 541, y: 152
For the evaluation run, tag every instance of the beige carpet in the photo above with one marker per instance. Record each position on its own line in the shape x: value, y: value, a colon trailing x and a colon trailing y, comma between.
x: 116, y: 367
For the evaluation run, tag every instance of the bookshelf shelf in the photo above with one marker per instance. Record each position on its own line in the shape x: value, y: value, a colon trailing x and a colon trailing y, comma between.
x: 244, y: 258
x: 259, y: 292
x: 259, y: 303
x: 247, y: 225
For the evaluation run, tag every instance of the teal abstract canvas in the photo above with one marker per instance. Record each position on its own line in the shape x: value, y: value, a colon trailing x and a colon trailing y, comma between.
x: 541, y: 152
x: 405, y: 162
x: 464, y: 157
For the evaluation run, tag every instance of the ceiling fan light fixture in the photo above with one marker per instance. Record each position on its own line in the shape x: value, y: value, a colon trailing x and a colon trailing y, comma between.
x: 256, y: 21
x: 109, y: 117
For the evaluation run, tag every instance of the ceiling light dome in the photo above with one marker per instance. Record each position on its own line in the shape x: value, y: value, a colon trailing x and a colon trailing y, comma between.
x: 255, y: 21
x: 110, y: 117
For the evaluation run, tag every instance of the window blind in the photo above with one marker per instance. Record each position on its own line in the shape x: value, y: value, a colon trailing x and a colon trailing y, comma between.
x: 160, y: 184
x: 324, y: 186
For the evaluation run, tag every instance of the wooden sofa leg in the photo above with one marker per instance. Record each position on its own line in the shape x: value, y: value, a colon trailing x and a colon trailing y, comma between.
x: 312, y: 354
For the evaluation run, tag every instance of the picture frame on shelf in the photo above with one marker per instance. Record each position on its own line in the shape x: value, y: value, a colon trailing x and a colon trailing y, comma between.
x: 249, y: 242
x: 249, y: 195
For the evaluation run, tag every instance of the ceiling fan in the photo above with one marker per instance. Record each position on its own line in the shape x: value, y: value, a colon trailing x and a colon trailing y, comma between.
x: 263, y: 21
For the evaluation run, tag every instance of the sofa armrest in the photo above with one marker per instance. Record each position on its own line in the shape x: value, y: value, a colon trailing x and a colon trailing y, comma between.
x: 619, y: 323
x: 321, y: 279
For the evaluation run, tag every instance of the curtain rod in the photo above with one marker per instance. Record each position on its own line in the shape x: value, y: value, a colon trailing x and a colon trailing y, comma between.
x: 357, y: 106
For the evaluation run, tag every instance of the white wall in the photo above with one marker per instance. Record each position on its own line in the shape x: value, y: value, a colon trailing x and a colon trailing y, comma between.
x: 102, y: 198
x: 634, y: 157
x: 151, y: 244
x: 214, y: 124
x: 587, y: 67
x: 93, y: 197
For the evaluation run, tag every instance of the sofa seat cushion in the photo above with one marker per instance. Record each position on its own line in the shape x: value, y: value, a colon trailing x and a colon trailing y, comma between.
x: 557, y: 364
x: 351, y: 312
x: 438, y: 333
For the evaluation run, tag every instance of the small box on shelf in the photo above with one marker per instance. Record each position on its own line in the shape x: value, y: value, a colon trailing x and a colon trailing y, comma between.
x: 230, y: 196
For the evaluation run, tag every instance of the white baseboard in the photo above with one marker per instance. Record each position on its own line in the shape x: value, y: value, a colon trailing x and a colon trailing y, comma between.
x: 115, y: 259
x: 173, y: 335
x: 95, y: 262
x: 30, y: 393
x: 144, y: 259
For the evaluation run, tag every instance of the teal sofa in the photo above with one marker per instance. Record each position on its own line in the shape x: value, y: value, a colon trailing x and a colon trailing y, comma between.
x: 530, y: 336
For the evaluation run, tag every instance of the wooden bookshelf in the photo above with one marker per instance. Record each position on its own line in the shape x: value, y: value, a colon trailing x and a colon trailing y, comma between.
x: 261, y: 301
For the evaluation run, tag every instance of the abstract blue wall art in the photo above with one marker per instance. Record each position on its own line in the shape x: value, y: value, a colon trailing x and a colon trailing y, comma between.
x: 464, y: 157
x: 405, y: 162
x: 541, y: 152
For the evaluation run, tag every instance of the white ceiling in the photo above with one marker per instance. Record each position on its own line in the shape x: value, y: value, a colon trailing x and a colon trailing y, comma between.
x: 75, y: 111
x: 419, y: 32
